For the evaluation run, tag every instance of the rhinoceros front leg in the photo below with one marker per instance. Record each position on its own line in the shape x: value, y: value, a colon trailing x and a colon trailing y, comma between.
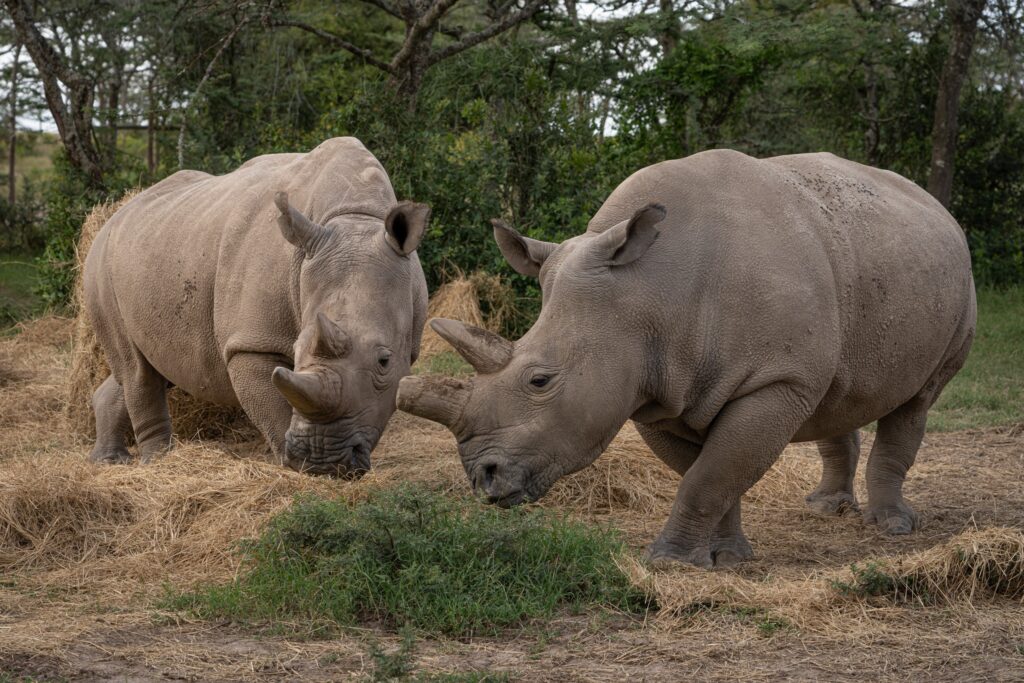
x: 746, y: 439
x: 834, y: 495
x: 112, y: 424
x: 268, y: 409
x: 729, y: 545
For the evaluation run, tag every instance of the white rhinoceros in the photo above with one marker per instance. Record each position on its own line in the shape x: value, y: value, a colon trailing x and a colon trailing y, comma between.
x: 728, y: 306
x: 289, y: 286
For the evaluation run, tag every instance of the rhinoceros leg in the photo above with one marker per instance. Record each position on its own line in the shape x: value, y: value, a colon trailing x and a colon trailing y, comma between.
x: 269, y: 410
x: 729, y: 545
x: 112, y: 424
x: 834, y: 495
x: 745, y: 440
x: 145, y: 395
x: 896, y: 443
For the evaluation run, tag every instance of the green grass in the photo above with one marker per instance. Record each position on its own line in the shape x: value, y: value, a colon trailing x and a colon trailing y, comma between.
x: 18, y: 279
x: 414, y: 558
x: 445, y: 363
x: 989, y: 390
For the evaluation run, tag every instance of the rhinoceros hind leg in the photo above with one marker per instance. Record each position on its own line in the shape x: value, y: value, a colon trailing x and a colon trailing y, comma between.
x: 112, y: 424
x: 899, y: 436
x: 834, y: 495
x: 145, y: 395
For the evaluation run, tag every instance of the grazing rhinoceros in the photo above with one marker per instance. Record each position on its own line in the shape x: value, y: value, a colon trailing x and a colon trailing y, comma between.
x: 289, y: 286
x: 728, y: 306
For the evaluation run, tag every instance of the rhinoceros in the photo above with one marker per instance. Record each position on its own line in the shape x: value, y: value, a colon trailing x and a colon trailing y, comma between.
x: 728, y: 306
x: 290, y: 287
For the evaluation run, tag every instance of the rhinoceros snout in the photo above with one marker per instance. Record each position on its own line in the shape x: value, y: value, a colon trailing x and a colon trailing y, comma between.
x: 500, y: 485
x: 312, y: 451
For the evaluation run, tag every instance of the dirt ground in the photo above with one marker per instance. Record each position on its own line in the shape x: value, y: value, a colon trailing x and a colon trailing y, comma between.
x: 85, y: 550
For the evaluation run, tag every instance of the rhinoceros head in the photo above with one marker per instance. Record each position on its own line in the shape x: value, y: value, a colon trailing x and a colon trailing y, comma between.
x: 548, y: 404
x: 359, y: 334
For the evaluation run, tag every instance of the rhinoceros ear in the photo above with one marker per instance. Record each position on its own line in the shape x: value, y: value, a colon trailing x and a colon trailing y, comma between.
x: 525, y: 255
x: 405, y: 225
x: 627, y: 241
x: 296, y: 228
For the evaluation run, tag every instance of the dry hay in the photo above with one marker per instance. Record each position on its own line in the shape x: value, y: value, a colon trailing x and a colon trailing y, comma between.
x: 190, y: 417
x: 460, y: 298
x: 972, y: 564
x: 74, y: 523
x: 627, y: 477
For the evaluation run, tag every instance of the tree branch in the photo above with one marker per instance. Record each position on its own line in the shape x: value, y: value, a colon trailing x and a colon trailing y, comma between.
x: 365, y: 55
x: 386, y: 6
x: 427, y: 22
x: 472, y: 39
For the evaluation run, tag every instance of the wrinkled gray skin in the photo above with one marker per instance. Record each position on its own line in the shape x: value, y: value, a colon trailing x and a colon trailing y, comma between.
x: 290, y: 287
x: 728, y: 306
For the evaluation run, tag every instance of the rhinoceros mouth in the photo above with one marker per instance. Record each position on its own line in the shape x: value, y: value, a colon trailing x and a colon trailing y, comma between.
x: 317, y: 449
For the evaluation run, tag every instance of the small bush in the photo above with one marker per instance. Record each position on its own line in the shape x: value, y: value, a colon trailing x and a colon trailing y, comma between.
x: 872, y: 580
x: 413, y: 558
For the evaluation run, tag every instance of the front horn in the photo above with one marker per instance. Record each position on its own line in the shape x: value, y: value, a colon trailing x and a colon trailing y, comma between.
x: 486, y: 351
x: 303, y: 390
x: 439, y: 399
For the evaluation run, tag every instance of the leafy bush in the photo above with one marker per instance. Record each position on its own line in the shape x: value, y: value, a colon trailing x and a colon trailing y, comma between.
x: 415, y: 558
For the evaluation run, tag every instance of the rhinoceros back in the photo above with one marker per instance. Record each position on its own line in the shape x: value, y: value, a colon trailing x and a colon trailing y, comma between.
x: 197, y: 269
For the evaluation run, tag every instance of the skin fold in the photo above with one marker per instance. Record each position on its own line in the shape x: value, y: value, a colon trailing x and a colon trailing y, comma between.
x: 728, y: 306
x: 290, y: 287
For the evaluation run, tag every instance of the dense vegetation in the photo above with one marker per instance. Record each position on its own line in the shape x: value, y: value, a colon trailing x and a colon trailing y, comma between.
x: 525, y: 109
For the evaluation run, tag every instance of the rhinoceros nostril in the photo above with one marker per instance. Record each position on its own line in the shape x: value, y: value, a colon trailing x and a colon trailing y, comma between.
x: 489, y: 472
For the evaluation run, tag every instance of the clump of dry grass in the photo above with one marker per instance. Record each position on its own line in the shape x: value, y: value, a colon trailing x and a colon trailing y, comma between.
x: 974, y: 563
x: 190, y: 417
x: 460, y: 299
x: 71, y: 521
x: 627, y: 477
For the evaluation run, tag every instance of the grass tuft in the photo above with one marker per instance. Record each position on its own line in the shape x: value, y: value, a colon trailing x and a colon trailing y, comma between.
x: 409, y: 557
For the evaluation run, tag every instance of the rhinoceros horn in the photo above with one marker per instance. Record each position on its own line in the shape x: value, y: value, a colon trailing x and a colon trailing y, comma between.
x: 296, y: 228
x: 305, y: 391
x: 440, y: 399
x: 329, y: 341
x: 486, y: 351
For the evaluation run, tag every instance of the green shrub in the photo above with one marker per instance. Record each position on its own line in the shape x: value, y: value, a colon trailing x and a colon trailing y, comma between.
x: 414, y: 558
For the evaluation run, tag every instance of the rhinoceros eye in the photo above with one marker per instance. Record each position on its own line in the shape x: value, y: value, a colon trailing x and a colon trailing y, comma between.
x: 540, y: 381
x: 384, y: 360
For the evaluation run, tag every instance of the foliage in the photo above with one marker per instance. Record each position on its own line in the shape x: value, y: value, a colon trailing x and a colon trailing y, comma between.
x: 419, y: 559
x: 540, y: 124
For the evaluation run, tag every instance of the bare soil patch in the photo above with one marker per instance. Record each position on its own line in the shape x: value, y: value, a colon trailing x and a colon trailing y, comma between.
x: 85, y: 550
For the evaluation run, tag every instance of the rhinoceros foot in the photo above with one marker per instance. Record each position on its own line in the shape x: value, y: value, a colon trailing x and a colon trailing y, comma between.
x: 895, y: 519
x: 110, y: 455
x: 722, y: 552
x: 834, y: 504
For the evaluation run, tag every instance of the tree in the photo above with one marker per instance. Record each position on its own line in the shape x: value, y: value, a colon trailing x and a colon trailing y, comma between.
x: 962, y: 17
x: 69, y: 93
x: 422, y: 22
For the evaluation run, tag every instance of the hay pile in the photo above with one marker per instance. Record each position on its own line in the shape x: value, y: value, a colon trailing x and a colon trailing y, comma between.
x: 95, y: 527
x: 481, y: 299
x: 190, y: 417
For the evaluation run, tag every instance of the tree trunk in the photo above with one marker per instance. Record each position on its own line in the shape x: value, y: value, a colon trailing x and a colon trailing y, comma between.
x: 150, y: 131
x: 73, y: 117
x: 13, y: 139
x: 962, y: 16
